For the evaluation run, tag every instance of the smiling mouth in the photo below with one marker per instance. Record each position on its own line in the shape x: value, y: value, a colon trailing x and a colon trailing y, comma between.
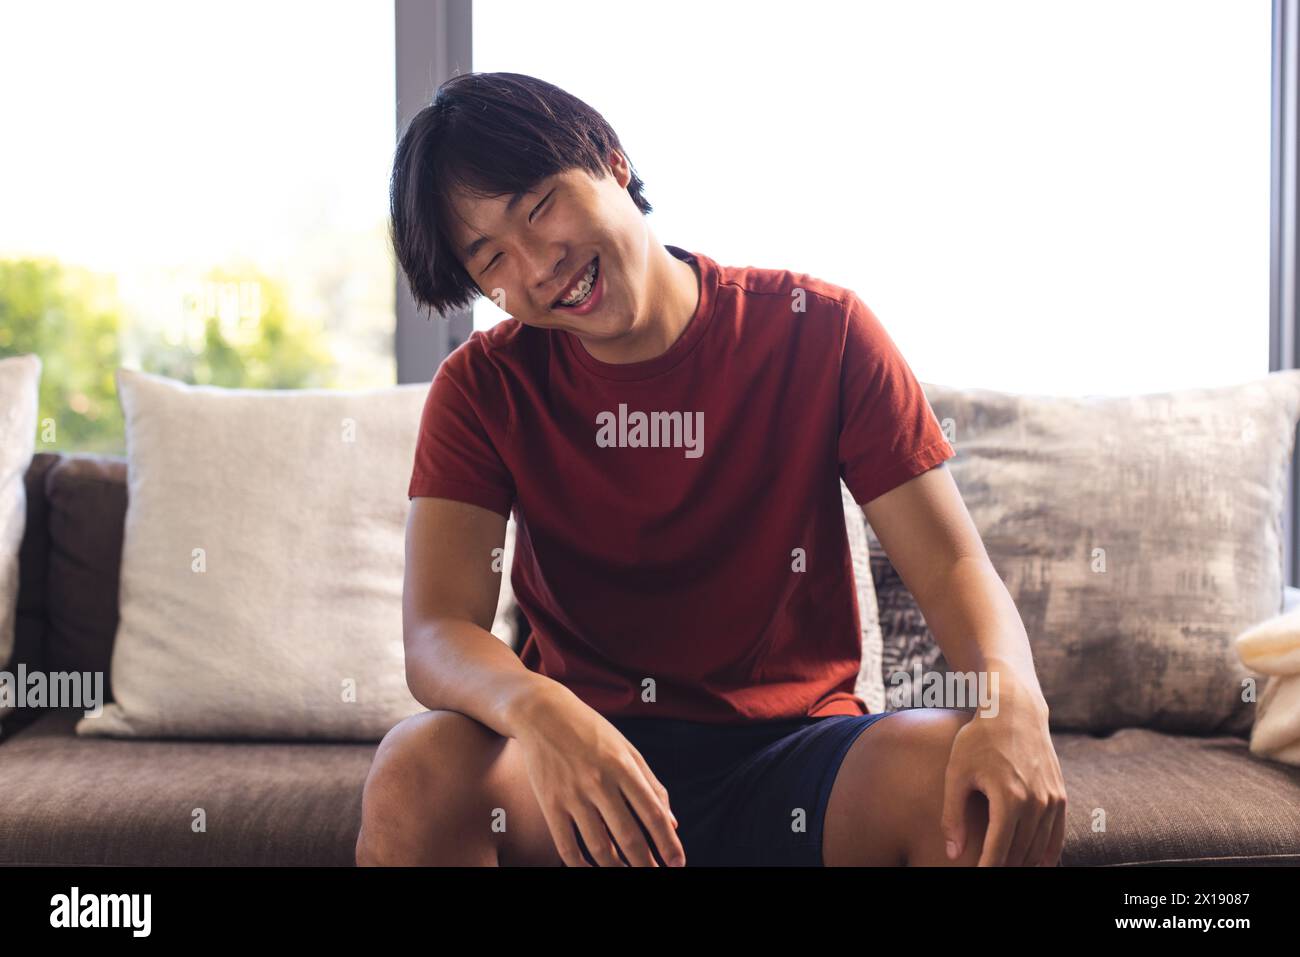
x: 586, y: 286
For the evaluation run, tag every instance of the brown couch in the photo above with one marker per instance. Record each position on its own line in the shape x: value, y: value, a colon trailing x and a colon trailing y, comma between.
x: 94, y: 801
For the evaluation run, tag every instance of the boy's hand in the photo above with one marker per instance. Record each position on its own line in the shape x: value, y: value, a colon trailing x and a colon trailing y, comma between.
x: 585, y: 772
x: 1011, y: 760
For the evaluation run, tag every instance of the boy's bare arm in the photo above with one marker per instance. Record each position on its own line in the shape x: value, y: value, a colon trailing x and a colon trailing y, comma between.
x: 449, y: 600
x: 583, y: 771
x: 1007, y: 753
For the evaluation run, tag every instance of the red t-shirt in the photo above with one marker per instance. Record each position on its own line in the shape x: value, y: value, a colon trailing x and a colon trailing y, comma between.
x: 660, y: 566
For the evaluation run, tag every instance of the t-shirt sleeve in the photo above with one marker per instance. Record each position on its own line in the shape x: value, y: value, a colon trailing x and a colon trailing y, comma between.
x: 888, y: 431
x: 454, y: 454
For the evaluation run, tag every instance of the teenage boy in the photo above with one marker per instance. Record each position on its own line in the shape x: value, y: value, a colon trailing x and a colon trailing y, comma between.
x: 670, y: 434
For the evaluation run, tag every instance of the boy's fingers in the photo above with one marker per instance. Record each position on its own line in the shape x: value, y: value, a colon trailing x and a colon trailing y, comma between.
x: 656, y: 818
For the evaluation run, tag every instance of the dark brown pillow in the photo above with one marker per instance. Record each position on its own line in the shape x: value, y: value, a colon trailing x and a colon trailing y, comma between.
x: 86, y: 496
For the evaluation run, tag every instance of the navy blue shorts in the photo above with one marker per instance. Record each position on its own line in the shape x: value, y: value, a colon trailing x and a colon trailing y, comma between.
x: 751, y: 794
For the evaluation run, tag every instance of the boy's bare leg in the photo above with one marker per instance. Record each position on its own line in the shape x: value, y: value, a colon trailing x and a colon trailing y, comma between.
x: 441, y: 788
x: 440, y: 779
x: 887, y: 801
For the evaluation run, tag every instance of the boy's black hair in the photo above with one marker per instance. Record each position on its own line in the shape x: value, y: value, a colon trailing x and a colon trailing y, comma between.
x: 487, y: 134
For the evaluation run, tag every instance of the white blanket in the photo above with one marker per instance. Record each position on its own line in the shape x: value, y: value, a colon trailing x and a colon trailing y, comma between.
x: 1273, y: 648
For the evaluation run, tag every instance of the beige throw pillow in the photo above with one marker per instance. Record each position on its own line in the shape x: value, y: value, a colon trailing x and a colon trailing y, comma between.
x: 262, y: 565
x: 20, y: 380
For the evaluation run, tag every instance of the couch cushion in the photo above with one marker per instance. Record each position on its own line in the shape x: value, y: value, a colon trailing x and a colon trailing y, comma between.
x: 71, y: 800
x: 1173, y: 799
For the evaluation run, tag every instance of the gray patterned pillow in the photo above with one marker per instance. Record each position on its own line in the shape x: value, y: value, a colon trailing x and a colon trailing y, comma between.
x: 907, y: 646
x: 1138, y: 535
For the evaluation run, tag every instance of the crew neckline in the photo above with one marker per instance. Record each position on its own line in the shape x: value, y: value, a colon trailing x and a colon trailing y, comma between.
x: 675, y: 353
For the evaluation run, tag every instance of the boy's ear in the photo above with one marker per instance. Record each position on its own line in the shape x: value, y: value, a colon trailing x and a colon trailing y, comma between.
x: 618, y: 166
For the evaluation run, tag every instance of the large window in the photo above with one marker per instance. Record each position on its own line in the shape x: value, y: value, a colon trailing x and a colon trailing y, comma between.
x: 1057, y: 197
x: 195, y: 189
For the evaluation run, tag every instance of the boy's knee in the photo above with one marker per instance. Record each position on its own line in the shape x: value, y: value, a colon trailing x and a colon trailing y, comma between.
x: 419, y: 787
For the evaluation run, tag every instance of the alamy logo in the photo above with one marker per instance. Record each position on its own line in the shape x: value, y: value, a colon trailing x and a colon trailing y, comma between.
x: 102, y: 910
x: 651, y: 430
x: 53, y: 689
